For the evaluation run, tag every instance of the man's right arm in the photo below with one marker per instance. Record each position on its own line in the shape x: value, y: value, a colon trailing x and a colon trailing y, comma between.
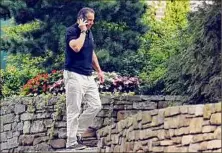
x: 76, y: 44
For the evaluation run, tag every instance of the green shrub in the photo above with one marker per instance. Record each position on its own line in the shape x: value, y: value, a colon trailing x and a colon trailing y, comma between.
x: 19, y: 69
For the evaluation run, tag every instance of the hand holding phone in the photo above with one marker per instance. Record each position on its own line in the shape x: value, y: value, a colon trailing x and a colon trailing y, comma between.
x: 82, y: 23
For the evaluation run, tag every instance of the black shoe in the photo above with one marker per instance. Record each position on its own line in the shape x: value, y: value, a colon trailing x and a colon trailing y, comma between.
x: 79, y: 139
x: 77, y: 146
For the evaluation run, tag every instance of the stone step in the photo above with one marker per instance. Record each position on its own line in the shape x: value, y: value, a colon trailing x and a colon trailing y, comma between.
x: 89, y: 149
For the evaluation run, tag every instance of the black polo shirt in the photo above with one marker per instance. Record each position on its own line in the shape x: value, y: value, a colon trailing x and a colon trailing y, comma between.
x: 80, y: 62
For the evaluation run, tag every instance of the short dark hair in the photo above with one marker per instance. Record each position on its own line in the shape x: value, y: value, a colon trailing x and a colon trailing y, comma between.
x: 84, y: 11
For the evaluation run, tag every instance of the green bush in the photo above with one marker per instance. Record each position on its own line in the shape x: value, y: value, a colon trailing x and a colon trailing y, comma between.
x: 161, y: 42
x: 20, y: 68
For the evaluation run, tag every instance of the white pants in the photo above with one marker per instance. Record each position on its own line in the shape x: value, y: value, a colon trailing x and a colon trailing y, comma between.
x: 80, y: 88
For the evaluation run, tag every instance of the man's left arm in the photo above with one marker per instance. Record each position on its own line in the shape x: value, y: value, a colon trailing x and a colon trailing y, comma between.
x: 96, y: 66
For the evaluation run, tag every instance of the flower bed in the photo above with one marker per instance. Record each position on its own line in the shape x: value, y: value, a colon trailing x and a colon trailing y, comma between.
x: 53, y: 83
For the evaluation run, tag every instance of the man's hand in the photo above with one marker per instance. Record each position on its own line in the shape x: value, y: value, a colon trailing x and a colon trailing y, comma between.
x: 101, y: 76
x: 82, y: 24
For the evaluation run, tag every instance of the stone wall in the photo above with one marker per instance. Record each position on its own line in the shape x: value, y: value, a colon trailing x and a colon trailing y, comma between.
x: 118, y: 108
x: 39, y: 123
x: 187, y: 128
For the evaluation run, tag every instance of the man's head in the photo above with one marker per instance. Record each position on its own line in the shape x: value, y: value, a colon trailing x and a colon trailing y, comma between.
x: 87, y: 14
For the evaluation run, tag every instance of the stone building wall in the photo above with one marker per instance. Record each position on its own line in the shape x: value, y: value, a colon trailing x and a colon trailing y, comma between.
x: 39, y: 123
x: 187, y: 128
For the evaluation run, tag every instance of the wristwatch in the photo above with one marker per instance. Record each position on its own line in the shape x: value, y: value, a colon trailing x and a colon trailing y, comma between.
x: 83, y: 31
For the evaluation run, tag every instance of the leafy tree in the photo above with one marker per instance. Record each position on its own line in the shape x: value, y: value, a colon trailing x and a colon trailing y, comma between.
x: 196, y: 71
x: 20, y: 68
x: 161, y: 42
x: 117, y: 30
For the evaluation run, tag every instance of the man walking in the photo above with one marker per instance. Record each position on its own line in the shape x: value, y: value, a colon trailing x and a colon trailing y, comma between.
x: 80, y: 59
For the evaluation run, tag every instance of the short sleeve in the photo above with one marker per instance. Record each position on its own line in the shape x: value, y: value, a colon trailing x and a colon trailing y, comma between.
x: 71, y: 33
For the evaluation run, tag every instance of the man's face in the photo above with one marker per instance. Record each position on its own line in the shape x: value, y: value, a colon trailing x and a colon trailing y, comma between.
x: 90, y: 20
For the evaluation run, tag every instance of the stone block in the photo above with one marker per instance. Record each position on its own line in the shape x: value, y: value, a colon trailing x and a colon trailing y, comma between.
x: 97, y: 122
x: 157, y: 149
x: 121, y: 115
x: 153, y: 112
x: 137, y: 135
x: 26, y: 140
x: 171, y: 122
x: 166, y: 142
x: 104, y: 113
x: 134, y: 98
x: 26, y: 127
x: 139, y: 116
x: 192, y: 109
x: 144, y: 105
x: 37, y: 126
x: 208, y: 128
x: 42, y: 115
x: 170, y: 111
x: 215, y: 119
x: 116, y: 148
x: 47, y: 122
x: 16, y: 134
x: 194, y: 147
x: 214, y: 144
x: 202, y: 137
x: 153, y: 97
x: 182, y: 131
x: 159, y: 119
x: 187, y: 139
x: 135, y: 124
x: 115, y: 139
x: 208, y: 110
x: 27, y: 116
x: 162, y: 104
x: 171, y: 149
x: 183, y: 149
x: 208, y: 136
x: 19, y: 126
x: 218, y: 107
x: 60, y: 124
x: 3, y: 137
x: 62, y: 133
x: 40, y: 140
x: 183, y: 121
x: 19, y: 108
x: 203, y: 146
x: 7, y: 127
x: 24, y: 149
x: 137, y: 146
x: 217, y: 133
x: 146, y: 117
x: 7, y: 109
x: 183, y: 109
x: 42, y: 147
x: 160, y: 134
x: 8, y: 134
x: 199, y: 110
x: 4, y: 146
x: 8, y: 118
x: 58, y: 143
x: 176, y: 140
x: 171, y: 132
x: 13, y: 142
x: 131, y: 135
x: 196, y: 125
